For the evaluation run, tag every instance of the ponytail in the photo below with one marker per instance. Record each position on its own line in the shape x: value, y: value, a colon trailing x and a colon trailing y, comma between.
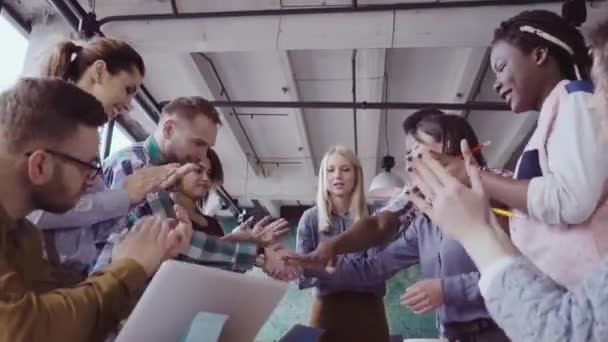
x: 69, y: 61
x: 60, y: 61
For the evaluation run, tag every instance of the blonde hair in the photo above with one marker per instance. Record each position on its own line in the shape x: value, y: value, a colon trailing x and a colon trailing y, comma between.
x: 358, y: 202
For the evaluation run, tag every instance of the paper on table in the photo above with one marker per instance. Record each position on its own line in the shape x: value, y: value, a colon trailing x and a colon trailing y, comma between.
x: 205, y: 326
x: 180, y: 290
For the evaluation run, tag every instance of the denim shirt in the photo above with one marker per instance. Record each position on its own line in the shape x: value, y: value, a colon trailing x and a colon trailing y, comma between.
x: 439, y: 257
x: 79, y: 234
x: 309, y: 237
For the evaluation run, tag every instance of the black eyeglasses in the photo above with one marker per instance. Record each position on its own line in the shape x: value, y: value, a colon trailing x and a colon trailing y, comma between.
x: 93, y: 167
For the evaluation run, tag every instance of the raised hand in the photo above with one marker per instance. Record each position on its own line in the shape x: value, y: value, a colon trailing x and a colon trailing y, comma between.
x: 275, y: 266
x: 146, y: 180
x: 457, y: 209
x: 268, y: 233
x: 175, y: 177
x: 264, y: 233
x: 322, y: 257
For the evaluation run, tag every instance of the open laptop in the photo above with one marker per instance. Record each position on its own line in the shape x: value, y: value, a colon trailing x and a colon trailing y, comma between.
x: 180, y: 290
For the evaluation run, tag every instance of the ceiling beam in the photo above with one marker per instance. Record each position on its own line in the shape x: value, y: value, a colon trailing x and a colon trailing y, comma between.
x: 214, y: 86
x: 363, y: 105
x: 291, y: 89
x: 369, y: 69
x: 471, y: 77
x: 313, y: 10
x: 470, y: 27
x: 272, y: 207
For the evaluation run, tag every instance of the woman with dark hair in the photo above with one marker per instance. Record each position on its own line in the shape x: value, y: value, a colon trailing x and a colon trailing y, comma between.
x: 558, y: 192
x: 112, y: 71
x: 194, y: 191
x: 449, y: 287
x: 528, y: 304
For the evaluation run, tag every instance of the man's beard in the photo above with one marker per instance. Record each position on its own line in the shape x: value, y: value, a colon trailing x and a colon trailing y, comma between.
x: 54, y: 196
x: 172, y: 156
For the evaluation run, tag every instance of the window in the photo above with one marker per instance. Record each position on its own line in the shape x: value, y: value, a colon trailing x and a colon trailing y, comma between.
x: 13, y: 55
x: 120, y: 139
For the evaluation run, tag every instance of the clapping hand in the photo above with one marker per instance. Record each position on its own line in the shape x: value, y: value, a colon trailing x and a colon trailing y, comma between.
x: 459, y: 210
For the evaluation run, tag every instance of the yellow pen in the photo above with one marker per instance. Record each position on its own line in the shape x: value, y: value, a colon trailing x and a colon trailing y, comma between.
x: 503, y: 212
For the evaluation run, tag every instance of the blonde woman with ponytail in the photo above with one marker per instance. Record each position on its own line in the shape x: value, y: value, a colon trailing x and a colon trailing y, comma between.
x: 353, y: 313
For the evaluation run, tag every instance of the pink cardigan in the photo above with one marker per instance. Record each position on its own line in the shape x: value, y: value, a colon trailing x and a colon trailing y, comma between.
x: 565, y: 232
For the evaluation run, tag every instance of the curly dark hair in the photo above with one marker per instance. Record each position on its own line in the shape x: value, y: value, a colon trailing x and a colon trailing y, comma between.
x: 550, y: 23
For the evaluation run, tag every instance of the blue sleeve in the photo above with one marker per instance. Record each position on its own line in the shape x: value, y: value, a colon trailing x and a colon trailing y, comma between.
x: 115, y: 171
x: 461, y: 289
x: 91, y: 209
x: 306, y: 243
x: 400, y: 254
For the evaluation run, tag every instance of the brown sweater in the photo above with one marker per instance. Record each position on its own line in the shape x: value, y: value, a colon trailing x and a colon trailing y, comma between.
x: 34, y: 307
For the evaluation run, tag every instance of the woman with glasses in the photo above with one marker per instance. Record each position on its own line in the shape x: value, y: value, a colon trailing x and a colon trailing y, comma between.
x: 112, y: 71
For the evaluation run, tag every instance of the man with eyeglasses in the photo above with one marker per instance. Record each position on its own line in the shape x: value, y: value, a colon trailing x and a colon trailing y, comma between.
x: 48, y: 158
x: 73, y: 240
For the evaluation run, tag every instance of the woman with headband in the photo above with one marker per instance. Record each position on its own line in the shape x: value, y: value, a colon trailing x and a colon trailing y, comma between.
x: 527, y: 304
x: 558, y: 192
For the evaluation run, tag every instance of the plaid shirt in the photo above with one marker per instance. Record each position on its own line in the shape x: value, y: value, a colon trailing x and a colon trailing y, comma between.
x: 203, y: 249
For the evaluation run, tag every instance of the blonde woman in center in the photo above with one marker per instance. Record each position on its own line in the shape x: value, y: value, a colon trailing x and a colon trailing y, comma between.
x: 349, y: 314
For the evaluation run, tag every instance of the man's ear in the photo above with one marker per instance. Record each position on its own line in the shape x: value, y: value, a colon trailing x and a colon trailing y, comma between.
x: 40, y: 167
x: 168, y: 128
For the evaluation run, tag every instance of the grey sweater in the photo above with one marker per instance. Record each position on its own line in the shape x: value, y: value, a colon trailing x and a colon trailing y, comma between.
x: 532, y: 307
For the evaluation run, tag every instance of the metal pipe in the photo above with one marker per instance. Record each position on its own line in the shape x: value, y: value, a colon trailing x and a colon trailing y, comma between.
x: 354, y: 73
x: 488, y: 106
x: 224, y: 92
x: 75, y: 7
x: 326, y: 10
x: 66, y: 12
x: 228, y: 200
x: 277, y: 163
x: 107, y: 140
x: 478, y: 82
x: 23, y: 26
x: 261, y: 114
